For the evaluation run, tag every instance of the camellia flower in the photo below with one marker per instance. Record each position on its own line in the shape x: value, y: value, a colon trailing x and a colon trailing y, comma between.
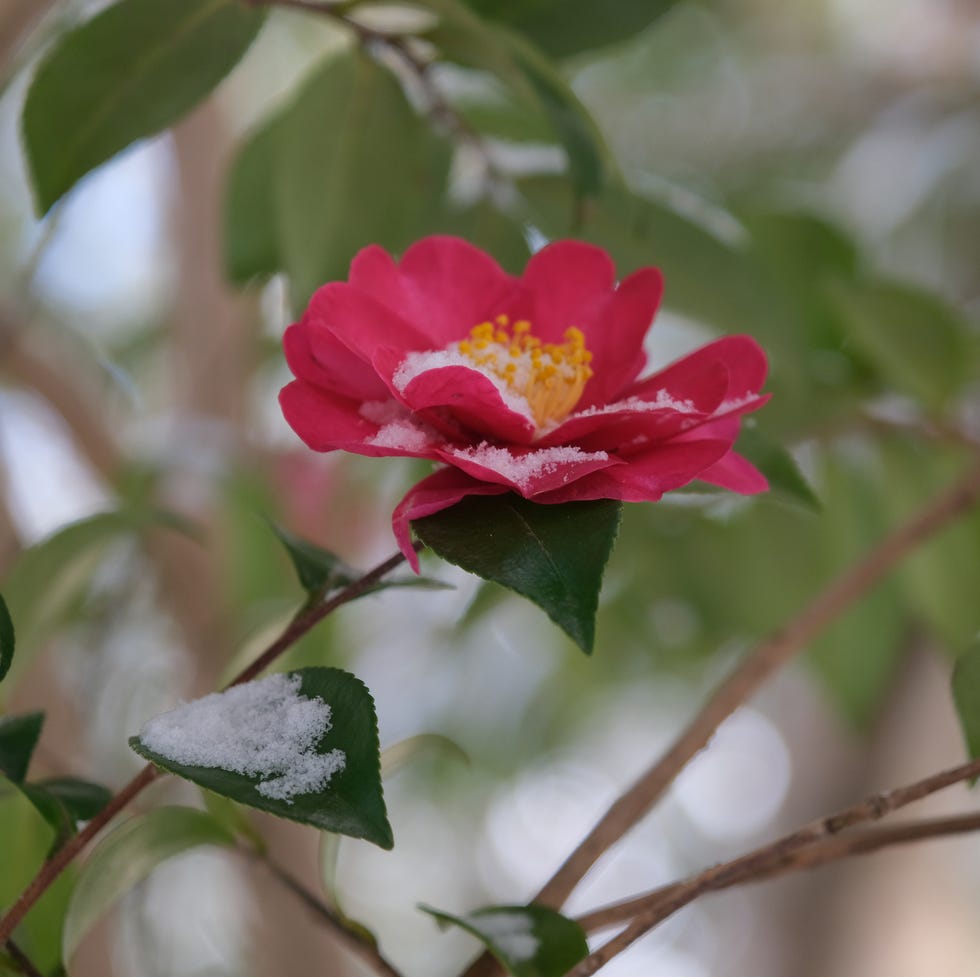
x: 526, y: 385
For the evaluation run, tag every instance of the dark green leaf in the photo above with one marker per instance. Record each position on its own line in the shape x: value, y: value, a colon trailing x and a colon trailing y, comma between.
x: 341, y: 183
x: 552, y: 554
x: 913, y: 338
x: 530, y: 941
x: 129, y: 72
x: 6, y: 639
x: 318, y: 569
x: 81, y: 798
x: 18, y: 737
x: 564, y: 27
x: 129, y: 855
x: 53, y: 811
x: 251, y: 246
x: 778, y: 465
x: 352, y: 802
x: 966, y: 697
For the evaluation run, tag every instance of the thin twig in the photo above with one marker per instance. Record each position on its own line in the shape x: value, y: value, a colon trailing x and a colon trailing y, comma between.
x: 777, y: 862
x: 753, y: 672
x: 307, y: 618
x: 755, y: 864
x: 366, y: 952
x: 23, y: 961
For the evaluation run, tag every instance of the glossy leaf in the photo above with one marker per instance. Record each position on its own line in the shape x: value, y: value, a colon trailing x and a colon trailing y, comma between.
x: 554, y: 555
x: 130, y: 71
x: 340, y: 183
x: 18, y: 737
x: 127, y: 856
x: 530, y: 941
x: 6, y: 639
x: 778, y: 465
x: 565, y: 27
x: 318, y: 569
x: 352, y: 802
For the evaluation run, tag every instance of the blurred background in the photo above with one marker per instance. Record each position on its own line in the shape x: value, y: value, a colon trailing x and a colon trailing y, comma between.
x: 806, y: 172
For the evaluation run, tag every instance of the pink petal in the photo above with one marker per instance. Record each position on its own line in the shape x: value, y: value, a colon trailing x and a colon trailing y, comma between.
x: 468, y: 398
x: 528, y: 471
x: 737, y: 474
x: 447, y: 286
x: 439, y: 491
x: 652, y: 413
x: 616, y: 342
x: 569, y: 283
x: 644, y: 478
x: 333, y: 367
x: 328, y: 423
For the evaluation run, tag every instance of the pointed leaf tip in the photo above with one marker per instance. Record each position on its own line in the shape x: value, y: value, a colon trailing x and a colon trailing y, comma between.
x: 554, y: 555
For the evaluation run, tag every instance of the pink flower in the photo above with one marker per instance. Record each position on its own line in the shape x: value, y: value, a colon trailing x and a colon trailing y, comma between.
x: 524, y: 385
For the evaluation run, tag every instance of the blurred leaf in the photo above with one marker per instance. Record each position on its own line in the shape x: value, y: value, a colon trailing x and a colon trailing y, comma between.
x: 530, y: 941
x: 554, y: 555
x: 328, y: 859
x: 400, y: 754
x: 53, y: 811
x: 564, y: 27
x: 251, y: 246
x: 488, y: 228
x: 352, y: 802
x: 233, y: 817
x: 778, y: 465
x: 127, y: 856
x: 39, y: 935
x: 318, y: 569
x: 18, y: 737
x: 6, y: 639
x: 130, y: 71
x: 81, y: 798
x: 578, y: 134
x: 918, y: 342
x: 341, y: 184
x: 966, y: 698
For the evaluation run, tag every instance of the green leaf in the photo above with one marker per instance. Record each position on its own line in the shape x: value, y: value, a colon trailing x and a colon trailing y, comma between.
x: 251, y: 244
x: 554, y: 555
x: 352, y: 803
x: 129, y: 855
x: 913, y: 338
x: 571, y: 121
x: 18, y: 737
x: 400, y: 754
x: 564, y: 27
x: 6, y: 639
x: 127, y: 73
x: 340, y: 183
x: 328, y: 859
x: 778, y: 465
x: 966, y: 698
x: 234, y: 818
x: 53, y: 811
x: 318, y: 569
x: 530, y: 941
x: 81, y: 798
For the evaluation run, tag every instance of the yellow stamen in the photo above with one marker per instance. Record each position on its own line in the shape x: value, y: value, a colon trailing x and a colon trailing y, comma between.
x: 550, y: 376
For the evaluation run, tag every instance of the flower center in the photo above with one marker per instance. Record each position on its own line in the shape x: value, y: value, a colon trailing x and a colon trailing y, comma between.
x: 549, y: 376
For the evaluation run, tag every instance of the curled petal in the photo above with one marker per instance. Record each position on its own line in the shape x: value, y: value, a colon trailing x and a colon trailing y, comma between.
x: 737, y: 474
x: 439, y: 491
x: 332, y: 367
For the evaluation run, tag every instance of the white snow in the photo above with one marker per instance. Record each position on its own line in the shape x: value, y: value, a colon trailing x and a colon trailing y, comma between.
x: 520, y: 469
x: 403, y: 435
x: 511, y: 932
x: 663, y: 401
x: 263, y: 728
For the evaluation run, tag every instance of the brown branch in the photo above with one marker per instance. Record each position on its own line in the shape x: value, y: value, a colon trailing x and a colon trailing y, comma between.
x: 753, y: 672
x: 767, y: 864
x: 754, y: 864
x: 365, y: 951
x: 22, y: 960
x: 307, y: 618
